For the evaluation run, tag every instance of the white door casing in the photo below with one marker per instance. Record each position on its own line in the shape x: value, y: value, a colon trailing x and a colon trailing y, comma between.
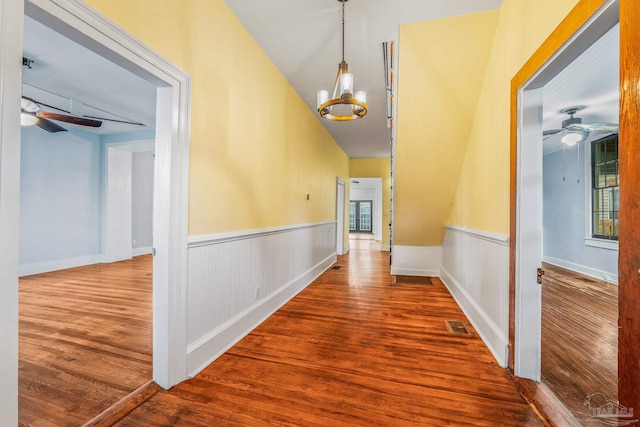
x: 340, y: 194
x: 79, y: 22
x: 529, y: 231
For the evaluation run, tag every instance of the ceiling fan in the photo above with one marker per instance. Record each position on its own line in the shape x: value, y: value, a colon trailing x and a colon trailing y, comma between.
x: 574, y: 130
x: 31, y: 114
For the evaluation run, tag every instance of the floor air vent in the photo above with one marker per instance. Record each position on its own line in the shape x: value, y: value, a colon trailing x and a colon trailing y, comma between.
x: 413, y: 280
x: 336, y: 267
x: 456, y: 327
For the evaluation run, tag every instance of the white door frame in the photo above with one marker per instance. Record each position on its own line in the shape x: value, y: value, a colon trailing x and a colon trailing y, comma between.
x: 528, y: 257
x: 376, y: 184
x: 340, y: 203
x: 78, y: 21
x: 11, y: 22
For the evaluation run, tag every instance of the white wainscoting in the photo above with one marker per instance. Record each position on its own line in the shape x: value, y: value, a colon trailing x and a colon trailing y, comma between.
x: 475, y: 269
x: 416, y: 260
x: 237, y: 280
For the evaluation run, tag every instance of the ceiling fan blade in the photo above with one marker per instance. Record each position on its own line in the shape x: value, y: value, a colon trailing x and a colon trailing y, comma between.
x: 127, y: 122
x: 49, y: 126
x: 551, y: 132
x: 596, y: 127
x: 70, y: 119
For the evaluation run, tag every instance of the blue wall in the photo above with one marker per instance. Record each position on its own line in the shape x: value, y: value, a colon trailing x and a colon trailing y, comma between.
x: 564, y: 218
x: 60, y: 205
x: 61, y: 198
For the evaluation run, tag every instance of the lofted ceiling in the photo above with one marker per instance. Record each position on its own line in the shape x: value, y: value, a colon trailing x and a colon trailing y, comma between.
x: 303, y: 39
x: 70, y: 77
x: 590, y: 81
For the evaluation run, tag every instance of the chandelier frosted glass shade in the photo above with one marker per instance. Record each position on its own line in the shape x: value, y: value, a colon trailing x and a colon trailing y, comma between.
x: 343, y: 105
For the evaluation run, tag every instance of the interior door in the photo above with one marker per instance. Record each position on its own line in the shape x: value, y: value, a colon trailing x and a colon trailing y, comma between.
x: 361, y: 216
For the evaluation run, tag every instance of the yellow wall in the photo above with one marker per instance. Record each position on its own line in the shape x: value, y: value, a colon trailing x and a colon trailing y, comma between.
x: 482, y: 197
x: 256, y: 148
x: 377, y: 168
x: 441, y: 69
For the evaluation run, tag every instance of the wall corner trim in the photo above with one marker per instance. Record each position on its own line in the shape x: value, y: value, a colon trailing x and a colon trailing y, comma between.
x: 416, y: 260
x: 211, y: 239
x: 502, y: 239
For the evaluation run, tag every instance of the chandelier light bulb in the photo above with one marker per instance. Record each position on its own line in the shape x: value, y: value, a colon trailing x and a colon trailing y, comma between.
x: 361, y: 96
x: 346, y: 85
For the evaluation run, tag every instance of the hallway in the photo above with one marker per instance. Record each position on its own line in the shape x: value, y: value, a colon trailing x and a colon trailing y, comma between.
x: 351, y: 349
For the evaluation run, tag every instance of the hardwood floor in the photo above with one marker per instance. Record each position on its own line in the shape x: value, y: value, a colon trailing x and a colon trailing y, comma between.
x: 351, y: 349
x: 84, y: 340
x: 579, y: 338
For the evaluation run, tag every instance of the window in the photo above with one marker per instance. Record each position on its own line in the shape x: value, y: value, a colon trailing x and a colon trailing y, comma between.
x: 360, y: 216
x: 605, y: 194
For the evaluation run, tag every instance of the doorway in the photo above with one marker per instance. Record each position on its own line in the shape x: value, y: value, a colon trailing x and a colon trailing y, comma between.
x: 529, y: 243
x: 340, y: 202
x: 361, y: 216
x: 80, y: 23
x: 368, y: 189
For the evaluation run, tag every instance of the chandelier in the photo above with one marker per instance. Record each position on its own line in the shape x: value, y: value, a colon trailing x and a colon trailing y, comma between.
x: 343, y: 105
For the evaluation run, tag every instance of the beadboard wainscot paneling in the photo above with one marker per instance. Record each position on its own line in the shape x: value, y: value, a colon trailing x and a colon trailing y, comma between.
x: 237, y: 280
x: 416, y: 260
x: 475, y: 268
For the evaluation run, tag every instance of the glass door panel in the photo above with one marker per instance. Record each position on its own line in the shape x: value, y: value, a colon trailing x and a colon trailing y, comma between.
x: 360, y: 216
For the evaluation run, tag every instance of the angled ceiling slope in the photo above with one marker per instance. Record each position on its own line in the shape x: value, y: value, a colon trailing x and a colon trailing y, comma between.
x: 65, y: 73
x: 303, y: 39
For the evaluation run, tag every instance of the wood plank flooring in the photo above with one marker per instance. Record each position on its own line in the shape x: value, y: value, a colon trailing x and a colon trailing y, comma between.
x: 84, y: 340
x: 351, y: 349
x: 579, y: 338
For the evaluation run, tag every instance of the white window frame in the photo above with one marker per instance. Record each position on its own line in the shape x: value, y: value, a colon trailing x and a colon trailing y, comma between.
x: 589, y: 240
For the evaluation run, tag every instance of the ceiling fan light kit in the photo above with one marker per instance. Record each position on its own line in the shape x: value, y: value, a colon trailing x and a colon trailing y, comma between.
x: 572, y: 138
x: 344, y: 105
x: 28, y: 119
x: 574, y: 132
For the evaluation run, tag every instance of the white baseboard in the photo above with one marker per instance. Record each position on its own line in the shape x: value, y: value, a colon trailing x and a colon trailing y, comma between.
x: 490, y: 333
x: 385, y: 248
x: 346, y: 248
x: 142, y: 251
x: 211, y: 346
x: 583, y: 269
x: 416, y: 260
x: 45, y: 267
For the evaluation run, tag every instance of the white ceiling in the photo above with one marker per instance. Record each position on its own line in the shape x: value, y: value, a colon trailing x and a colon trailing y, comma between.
x: 303, y: 39
x: 63, y: 71
x: 590, y: 81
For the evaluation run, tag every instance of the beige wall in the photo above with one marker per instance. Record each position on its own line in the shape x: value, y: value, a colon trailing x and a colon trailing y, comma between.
x: 256, y: 148
x: 454, y: 80
x: 376, y: 168
x: 482, y: 198
x: 441, y: 69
